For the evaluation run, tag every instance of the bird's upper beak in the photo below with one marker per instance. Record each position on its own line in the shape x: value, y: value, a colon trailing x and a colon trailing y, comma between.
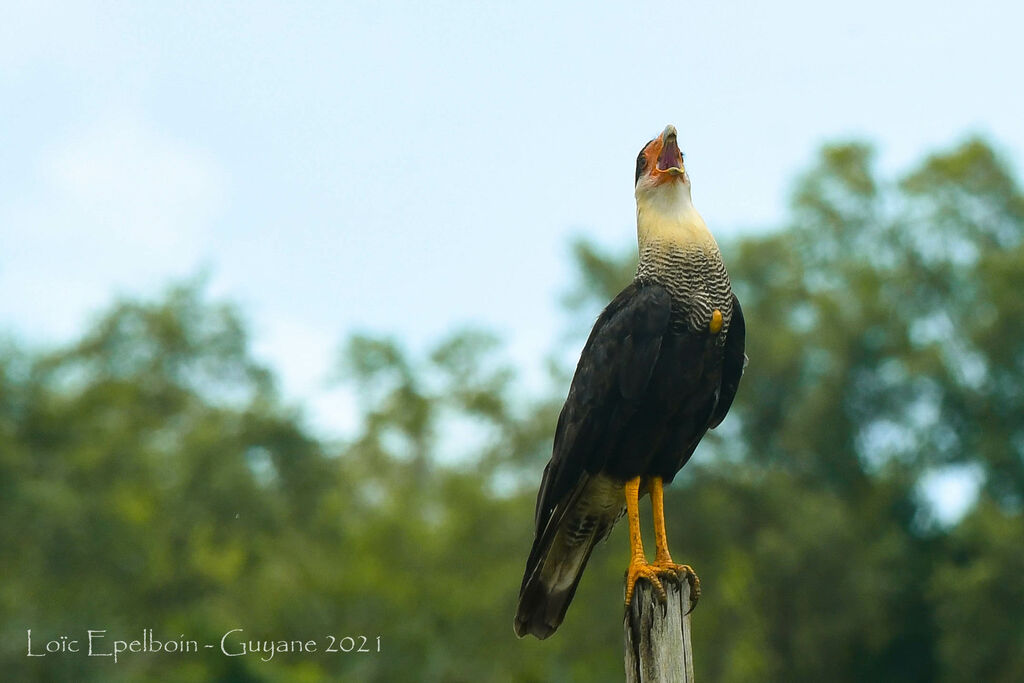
x: 670, y: 159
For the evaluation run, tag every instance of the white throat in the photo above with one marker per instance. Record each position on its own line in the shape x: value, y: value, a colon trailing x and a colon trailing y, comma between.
x: 666, y: 219
x: 678, y: 252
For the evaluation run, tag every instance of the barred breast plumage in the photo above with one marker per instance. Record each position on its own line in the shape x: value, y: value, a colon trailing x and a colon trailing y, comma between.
x: 695, y: 277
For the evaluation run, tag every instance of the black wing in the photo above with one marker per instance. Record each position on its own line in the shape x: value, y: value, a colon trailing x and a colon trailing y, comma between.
x: 612, y: 375
x: 733, y: 363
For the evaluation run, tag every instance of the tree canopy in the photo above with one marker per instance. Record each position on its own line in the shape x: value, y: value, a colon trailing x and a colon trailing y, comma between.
x: 151, y: 476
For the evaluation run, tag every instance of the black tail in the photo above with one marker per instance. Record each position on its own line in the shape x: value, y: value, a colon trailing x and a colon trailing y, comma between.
x: 553, y: 571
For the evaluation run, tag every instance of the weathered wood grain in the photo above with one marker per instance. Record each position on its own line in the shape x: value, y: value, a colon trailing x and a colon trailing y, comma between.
x: 657, y: 635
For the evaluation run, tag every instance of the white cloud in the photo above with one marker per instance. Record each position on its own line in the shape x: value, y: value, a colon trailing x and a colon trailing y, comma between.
x: 136, y: 186
x: 118, y: 205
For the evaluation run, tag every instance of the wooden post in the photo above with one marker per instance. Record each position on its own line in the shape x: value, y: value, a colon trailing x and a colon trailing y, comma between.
x: 658, y: 635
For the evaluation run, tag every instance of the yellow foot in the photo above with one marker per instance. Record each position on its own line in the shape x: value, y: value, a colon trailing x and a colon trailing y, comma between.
x: 642, y: 570
x: 670, y: 568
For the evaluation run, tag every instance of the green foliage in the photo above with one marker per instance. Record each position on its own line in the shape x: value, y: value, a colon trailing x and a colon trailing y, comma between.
x: 976, y: 589
x: 151, y: 477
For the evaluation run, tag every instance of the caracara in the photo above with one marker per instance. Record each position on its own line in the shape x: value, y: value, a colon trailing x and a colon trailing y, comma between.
x: 660, y: 368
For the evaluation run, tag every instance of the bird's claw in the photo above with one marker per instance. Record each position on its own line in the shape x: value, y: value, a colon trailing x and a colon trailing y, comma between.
x: 642, y: 570
x: 670, y: 568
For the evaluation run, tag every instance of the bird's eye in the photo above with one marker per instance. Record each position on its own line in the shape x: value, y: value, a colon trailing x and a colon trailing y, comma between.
x: 641, y: 163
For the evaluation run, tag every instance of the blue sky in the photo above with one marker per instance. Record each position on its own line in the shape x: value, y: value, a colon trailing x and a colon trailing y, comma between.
x: 410, y: 167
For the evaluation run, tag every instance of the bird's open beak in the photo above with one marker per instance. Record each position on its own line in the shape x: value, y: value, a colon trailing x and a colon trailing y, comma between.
x: 670, y: 159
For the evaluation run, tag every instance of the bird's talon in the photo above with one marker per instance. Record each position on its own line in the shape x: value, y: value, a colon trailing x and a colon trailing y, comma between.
x: 670, y: 568
x: 694, y: 581
x: 682, y: 571
x: 650, y: 572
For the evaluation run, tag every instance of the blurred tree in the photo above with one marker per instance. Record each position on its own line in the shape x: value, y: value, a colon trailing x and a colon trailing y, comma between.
x: 151, y: 476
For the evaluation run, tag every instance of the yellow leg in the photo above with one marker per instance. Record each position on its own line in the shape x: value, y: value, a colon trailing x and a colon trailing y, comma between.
x: 638, y: 566
x: 662, y: 560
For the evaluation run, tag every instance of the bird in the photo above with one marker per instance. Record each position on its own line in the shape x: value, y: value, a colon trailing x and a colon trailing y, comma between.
x: 660, y: 368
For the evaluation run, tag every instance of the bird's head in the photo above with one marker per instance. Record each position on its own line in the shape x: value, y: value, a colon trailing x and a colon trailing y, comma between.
x: 660, y: 173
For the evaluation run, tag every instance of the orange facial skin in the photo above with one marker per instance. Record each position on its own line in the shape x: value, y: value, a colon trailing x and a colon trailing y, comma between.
x: 664, y: 160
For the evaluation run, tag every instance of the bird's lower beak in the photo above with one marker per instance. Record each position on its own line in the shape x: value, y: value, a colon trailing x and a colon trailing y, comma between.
x: 670, y: 160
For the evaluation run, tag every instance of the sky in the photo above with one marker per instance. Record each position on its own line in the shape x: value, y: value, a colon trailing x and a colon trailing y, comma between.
x: 412, y: 167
